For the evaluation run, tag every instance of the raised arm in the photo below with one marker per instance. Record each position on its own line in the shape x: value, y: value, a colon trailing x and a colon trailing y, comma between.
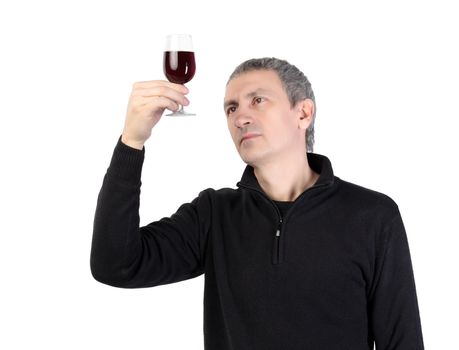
x: 165, y: 251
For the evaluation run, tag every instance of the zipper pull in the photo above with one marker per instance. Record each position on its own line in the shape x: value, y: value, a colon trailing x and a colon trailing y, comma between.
x: 277, y: 242
x: 279, y: 228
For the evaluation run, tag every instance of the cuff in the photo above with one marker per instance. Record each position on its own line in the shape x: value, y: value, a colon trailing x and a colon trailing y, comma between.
x: 127, y: 162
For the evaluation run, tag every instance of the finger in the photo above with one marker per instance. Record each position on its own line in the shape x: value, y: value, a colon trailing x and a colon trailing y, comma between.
x: 158, y: 102
x: 162, y: 91
x: 156, y: 83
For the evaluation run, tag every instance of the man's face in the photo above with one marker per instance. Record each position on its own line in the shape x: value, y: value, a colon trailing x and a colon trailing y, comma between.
x: 263, y: 126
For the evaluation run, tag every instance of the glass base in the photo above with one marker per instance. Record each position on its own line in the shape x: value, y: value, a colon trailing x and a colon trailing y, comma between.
x: 179, y: 114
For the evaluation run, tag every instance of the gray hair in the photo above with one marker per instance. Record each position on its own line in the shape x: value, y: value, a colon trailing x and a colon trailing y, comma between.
x: 295, y: 83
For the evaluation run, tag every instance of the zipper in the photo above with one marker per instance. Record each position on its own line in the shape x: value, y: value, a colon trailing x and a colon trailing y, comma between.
x: 277, y: 258
x: 276, y: 248
x: 277, y: 237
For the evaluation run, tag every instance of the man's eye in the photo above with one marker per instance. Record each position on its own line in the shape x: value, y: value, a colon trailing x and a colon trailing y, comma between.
x: 257, y: 100
x: 230, y: 110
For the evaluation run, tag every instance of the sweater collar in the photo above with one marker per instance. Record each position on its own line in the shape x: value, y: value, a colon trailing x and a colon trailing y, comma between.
x: 318, y: 162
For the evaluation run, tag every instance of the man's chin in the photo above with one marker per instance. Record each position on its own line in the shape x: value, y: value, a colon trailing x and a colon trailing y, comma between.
x: 252, y: 161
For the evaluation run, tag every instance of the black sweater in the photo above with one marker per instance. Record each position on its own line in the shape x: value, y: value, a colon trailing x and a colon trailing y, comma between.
x: 334, y: 273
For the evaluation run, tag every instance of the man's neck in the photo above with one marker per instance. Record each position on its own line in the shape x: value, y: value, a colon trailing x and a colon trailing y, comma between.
x: 286, y: 180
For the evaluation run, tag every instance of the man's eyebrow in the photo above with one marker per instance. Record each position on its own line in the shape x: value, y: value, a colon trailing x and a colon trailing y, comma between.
x: 248, y: 95
x: 229, y: 103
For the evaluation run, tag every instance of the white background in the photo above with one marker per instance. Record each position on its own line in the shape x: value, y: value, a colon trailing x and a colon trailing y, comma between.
x: 385, y: 77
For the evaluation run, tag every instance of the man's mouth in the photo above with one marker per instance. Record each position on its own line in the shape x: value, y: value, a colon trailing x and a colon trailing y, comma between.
x: 249, y: 135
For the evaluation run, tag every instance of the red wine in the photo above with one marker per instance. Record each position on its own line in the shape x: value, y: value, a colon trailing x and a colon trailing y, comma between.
x: 179, y: 66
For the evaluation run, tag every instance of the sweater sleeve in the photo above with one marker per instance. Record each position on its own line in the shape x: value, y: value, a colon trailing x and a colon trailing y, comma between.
x: 393, y: 306
x: 126, y: 255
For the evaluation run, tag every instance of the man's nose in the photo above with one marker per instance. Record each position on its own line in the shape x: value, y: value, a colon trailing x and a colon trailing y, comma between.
x: 243, y: 117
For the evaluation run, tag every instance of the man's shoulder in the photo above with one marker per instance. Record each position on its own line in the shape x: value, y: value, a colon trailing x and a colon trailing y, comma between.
x: 365, y: 197
x: 220, y: 192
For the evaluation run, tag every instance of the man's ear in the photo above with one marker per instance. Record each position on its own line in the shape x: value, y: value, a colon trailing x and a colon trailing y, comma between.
x: 306, y: 113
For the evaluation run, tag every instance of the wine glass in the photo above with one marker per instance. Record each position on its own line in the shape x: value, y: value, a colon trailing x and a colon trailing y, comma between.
x: 179, y: 64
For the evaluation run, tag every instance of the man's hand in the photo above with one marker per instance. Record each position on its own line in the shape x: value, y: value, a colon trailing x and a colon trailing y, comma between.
x: 147, y: 103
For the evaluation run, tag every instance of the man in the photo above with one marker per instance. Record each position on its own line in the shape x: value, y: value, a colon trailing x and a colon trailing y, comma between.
x: 294, y: 258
